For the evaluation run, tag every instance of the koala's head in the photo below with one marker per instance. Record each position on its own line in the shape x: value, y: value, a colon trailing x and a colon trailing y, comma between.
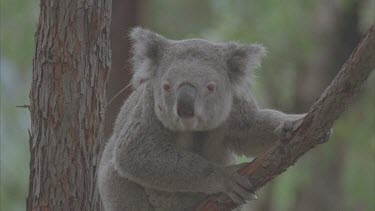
x: 194, y: 81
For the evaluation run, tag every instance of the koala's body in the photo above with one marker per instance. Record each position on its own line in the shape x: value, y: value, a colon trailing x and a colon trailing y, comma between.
x: 176, y: 135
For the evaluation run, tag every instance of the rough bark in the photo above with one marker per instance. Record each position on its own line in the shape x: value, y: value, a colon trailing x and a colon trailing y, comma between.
x: 70, y: 69
x: 316, y: 124
x: 125, y: 15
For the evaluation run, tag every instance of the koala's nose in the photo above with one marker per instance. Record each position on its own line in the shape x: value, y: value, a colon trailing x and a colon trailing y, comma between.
x: 185, y: 100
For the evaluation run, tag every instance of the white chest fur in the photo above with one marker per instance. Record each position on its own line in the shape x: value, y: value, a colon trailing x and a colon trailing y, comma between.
x: 207, y: 144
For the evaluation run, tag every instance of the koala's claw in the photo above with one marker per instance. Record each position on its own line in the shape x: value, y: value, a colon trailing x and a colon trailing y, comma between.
x: 285, y: 130
x: 238, y: 187
x: 326, y: 137
x: 237, y: 199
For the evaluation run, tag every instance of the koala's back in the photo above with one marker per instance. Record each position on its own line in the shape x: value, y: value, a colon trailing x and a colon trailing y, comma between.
x: 127, y: 112
x: 114, y: 188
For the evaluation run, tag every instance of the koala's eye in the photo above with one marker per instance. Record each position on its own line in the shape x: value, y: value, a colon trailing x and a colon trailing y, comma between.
x: 166, y: 87
x: 211, y: 87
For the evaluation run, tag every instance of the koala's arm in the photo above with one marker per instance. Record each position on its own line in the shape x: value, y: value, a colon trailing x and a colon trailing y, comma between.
x: 253, y: 130
x: 150, y: 161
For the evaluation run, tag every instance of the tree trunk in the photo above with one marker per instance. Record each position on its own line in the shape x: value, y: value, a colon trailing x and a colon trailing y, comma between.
x: 68, y: 92
x: 125, y: 15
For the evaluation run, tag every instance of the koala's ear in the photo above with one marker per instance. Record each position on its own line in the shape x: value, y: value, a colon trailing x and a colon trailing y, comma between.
x: 147, y: 49
x: 242, y: 59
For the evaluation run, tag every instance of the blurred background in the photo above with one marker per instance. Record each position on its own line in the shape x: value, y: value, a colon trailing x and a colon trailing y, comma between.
x: 308, y: 41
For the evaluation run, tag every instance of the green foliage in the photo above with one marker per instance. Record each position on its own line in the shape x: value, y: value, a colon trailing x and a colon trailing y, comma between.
x: 178, y: 19
x: 359, y: 171
x: 18, y: 23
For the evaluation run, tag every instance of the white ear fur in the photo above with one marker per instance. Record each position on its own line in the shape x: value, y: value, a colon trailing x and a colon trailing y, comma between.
x: 147, y: 50
x: 242, y: 60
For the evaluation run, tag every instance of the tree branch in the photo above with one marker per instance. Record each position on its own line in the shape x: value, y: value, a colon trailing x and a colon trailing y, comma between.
x: 315, y: 125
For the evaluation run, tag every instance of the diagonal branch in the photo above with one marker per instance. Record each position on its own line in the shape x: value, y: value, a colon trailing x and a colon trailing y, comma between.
x: 315, y: 125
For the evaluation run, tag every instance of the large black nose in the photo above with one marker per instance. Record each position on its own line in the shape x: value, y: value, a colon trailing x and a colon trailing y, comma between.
x: 185, y: 100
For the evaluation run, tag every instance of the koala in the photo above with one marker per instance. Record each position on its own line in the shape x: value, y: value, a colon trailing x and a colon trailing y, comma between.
x: 190, y: 112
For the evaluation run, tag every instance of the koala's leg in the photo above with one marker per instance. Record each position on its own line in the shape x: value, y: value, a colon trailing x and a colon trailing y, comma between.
x: 119, y: 194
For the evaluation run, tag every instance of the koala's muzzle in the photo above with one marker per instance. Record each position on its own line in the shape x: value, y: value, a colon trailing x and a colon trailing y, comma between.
x: 185, y: 100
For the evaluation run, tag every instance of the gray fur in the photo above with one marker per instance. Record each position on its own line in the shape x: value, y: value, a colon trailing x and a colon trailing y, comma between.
x: 156, y: 160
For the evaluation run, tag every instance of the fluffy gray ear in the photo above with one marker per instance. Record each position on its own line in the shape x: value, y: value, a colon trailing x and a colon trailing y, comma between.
x: 147, y: 50
x: 242, y: 59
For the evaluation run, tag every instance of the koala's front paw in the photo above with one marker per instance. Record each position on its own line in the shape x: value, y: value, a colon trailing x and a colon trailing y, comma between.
x: 326, y: 136
x: 285, y: 130
x: 237, y: 187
